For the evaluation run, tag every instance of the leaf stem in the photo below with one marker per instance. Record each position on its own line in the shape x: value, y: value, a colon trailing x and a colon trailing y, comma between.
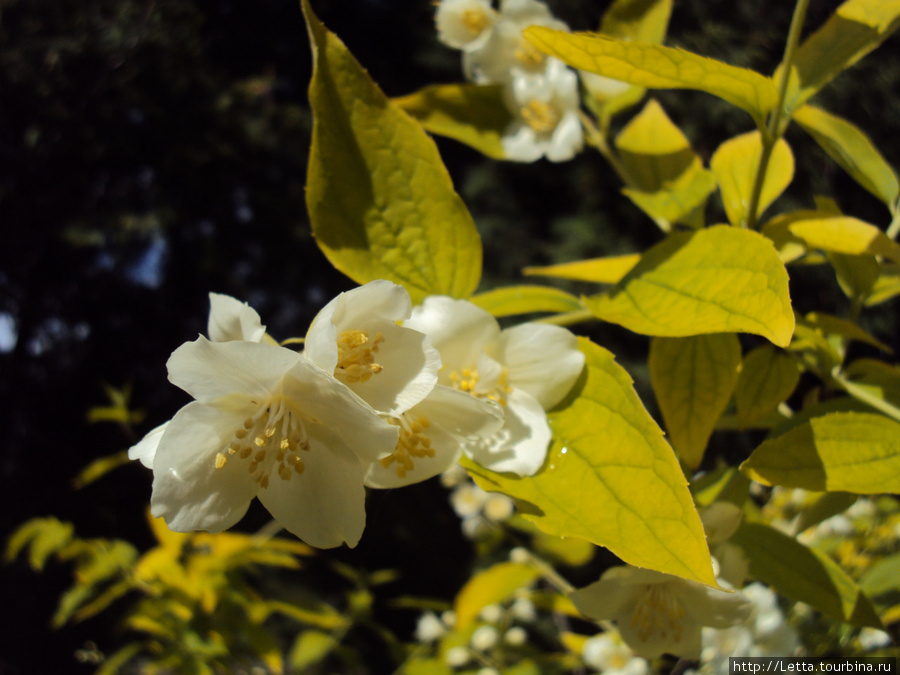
x: 568, y: 318
x: 774, y: 129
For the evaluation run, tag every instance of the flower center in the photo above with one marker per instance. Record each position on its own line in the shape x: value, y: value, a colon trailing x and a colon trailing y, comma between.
x: 356, y: 356
x: 413, y: 443
x: 467, y: 381
x: 528, y: 55
x: 474, y: 21
x: 274, y: 436
x: 540, y: 116
x: 657, y: 613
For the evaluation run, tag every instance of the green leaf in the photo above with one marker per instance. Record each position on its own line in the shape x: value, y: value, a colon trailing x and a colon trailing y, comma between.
x: 637, y: 20
x: 881, y: 581
x: 472, y: 114
x: 856, y: 274
x: 846, y: 452
x: 886, y: 287
x: 380, y: 201
x: 856, y: 28
x: 803, y: 574
x: 99, y: 468
x: 693, y: 379
x: 718, y: 280
x: 658, y: 67
x: 826, y: 505
x: 513, y: 300
x: 832, y: 325
x: 45, y: 536
x: 768, y: 376
x: 599, y: 270
x: 611, y: 478
x: 491, y: 586
x: 311, y: 647
x: 735, y: 164
x: 666, y: 177
x: 854, y: 152
x: 844, y: 234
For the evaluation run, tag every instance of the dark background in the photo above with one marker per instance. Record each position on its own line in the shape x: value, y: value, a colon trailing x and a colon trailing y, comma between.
x: 154, y: 151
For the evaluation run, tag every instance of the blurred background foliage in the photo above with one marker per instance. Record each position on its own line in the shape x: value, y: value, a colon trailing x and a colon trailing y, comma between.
x: 152, y: 151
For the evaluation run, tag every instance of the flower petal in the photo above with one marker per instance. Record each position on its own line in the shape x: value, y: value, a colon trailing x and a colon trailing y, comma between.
x: 188, y: 490
x: 321, y: 399
x: 229, y: 372
x: 714, y: 608
x: 521, y: 446
x: 543, y: 360
x: 381, y: 298
x: 606, y: 599
x: 458, y: 329
x: 453, y: 417
x: 685, y: 642
x: 567, y: 139
x: 231, y: 319
x: 145, y: 449
x: 324, y: 505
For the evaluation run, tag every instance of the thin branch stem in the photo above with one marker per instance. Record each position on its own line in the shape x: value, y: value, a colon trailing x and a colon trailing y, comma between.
x: 775, y: 129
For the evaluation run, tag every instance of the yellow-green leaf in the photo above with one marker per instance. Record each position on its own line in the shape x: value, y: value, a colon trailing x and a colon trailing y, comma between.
x: 844, y: 234
x: 44, y: 536
x: 693, y: 379
x: 803, y: 574
x: 856, y: 28
x: 735, y: 164
x: 848, y: 452
x: 849, y: 146
x: 768, y: 376
x: 887, y: 286
x: 718, y: 280
x: 472, y: 114
x: 658, y: 67
x: 637, y: 20
x: 512, y: 300
x: 489, y: 587
x: 856, y: 274
x: 99, y: 468
x: 311, y: 647
x: 380, y: 201
x: 666, y: 177
x: 832, y: 325
x: 599, y: 270
x: 611, y: 478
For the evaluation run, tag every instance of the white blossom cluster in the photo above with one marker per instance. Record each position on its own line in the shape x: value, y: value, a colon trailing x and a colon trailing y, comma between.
x: 382, y: 395
x: 540, y: 91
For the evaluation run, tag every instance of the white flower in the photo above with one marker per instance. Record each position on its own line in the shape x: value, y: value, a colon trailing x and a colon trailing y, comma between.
x: 266, y: 423
x: 507, y: 54
x: 465, y: 24
x: 606, y: 653
x: 432, y: 435
x: 546, y: 121
x: 516, y: 636
x: 485, y: 638
x: 659, y: 613
x: 526, y: 369
x: 357, y: 338
x: 457, y: 656
x: 229, y: 319
x: 430, y: 628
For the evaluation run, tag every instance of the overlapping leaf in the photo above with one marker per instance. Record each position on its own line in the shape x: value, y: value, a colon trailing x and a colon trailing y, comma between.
x: 380, y: 201
x: 717, y: 280
x: 658, y: 67
x: 849, y: 452
x: 611, y: 478
x: 512, y: 300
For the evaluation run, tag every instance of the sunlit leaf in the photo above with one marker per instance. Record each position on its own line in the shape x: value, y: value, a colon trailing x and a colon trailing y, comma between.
x: 658, y: 67
x: 611, y: 478
x: 844, y: 234
x: 693, y: 379
x: 489, y: 587
x: 380, y: 201
x: 599, y: 270
x: 718, y: 280
x: 849, y: 146
x: 472, y: 114
x: 768, y: 376
x: 887, y: 286
x: 833, y: 325
x: 735, y: 164
x: 666, y: 177
x: 512, y: 300
x: 856, y: 28
x: 803, y: 574
x: 848, y: 452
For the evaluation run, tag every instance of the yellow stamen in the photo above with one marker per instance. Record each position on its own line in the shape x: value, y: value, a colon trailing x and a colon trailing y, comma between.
x: 540, y: 116
x: 475, y: 21
x: 412, y: 443
x: 657, y: 613
x: 220, y: 460
x: 356, y: 356
x: 529, y: 55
